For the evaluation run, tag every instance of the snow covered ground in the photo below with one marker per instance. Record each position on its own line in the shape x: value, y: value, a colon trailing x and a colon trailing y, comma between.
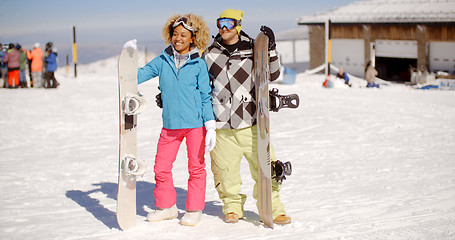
x: 367, y: 164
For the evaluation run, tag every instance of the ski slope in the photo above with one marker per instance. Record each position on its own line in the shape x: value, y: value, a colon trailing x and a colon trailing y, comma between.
x: 367, y: 164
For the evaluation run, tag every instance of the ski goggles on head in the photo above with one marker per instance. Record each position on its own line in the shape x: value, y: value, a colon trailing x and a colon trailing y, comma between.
x: 228, y: 23
x: 184, y: 22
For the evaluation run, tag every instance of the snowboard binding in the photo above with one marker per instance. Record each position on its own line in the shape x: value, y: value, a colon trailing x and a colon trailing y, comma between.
x: 278, y: 102
x: 132, y: 166
x: 280, y: 170
x: 133, y: 104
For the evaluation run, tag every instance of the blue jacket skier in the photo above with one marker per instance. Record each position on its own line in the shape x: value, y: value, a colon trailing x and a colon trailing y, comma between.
x: 51, y: 62
x: 343, y: 75
x: 51, y: 66
x: 187, y: 108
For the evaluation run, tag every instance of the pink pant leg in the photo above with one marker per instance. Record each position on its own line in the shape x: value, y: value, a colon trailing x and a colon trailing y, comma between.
x: 195, y: 141
x: 168, y: 146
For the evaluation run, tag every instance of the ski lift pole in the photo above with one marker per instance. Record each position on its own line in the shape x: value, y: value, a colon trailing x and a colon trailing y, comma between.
x: 328, y: 47
x: 67, y: 65
x: 74, y: 51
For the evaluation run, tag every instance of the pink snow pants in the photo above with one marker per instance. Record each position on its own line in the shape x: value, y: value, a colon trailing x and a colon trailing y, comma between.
x: 168, y: 146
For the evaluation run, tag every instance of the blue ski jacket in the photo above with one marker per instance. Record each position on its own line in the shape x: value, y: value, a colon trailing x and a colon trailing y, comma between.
x: 185, y: 92
x: 51, y: 62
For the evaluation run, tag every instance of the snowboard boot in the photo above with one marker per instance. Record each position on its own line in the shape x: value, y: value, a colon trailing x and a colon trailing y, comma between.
x: 191, y: 218
x: 282, y: 220
x: 163, y: 214
x: 232, y: 217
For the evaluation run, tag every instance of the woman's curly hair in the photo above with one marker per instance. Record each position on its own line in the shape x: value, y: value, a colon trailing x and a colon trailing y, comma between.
x: 201, y: 35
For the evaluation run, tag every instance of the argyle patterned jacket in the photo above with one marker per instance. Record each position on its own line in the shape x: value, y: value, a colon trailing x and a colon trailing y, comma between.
x: 231, y: 78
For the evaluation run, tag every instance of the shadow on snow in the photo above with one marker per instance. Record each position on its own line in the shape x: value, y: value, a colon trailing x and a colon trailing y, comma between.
x: 144, y: 198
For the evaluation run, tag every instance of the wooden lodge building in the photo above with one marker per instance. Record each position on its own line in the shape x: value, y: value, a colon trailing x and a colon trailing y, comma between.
x: 394, y: 34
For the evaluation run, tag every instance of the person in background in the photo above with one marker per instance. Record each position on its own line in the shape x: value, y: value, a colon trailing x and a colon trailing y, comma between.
x: 327, y: 82
x: 370, y: 75
x: 3, y: 68
x: 48, y: 48
x: 341, y: 74
x: 230, y: 63
x: 51, y: 66
x: 12, y: 58
x: 23, y: 58
x: 36, y: 58
x: 187, y: 108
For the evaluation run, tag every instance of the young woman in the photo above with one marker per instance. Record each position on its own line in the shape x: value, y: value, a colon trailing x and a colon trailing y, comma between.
x: 187, y: 107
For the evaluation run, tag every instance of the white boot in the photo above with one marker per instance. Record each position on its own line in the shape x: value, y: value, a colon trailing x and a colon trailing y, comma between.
x: 163, y: 214
x: 191, y: 218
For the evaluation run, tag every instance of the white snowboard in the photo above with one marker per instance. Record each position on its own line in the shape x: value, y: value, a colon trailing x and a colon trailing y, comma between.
x: 130, y: 104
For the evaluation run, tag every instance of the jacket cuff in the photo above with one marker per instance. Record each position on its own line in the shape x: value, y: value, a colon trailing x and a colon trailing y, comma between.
x: 211, y: 124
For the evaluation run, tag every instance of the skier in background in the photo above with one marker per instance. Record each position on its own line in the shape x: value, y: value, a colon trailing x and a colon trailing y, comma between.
x: 48, y: 48
x: 3, y: 68
x: 36, y: 58
x: 370, y: 75
x: 187, y: 108
x: 230, y: 63
x: 12, y: 58
x: 341, y: 74
x: 327, y: 82
x: 22, y: 59
x: 51, y: 66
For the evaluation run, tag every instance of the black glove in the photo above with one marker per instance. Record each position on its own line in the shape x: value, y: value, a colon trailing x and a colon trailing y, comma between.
x: 267, y: 31
x: 158, y: 100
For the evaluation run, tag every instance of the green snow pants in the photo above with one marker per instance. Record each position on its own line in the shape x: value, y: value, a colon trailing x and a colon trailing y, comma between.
x: 231, y: 146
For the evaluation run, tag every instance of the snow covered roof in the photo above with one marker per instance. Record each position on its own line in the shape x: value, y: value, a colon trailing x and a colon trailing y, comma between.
x: 387, y: 11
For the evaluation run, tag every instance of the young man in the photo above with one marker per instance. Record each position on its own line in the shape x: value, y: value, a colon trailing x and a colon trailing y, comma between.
x: 230, y: 63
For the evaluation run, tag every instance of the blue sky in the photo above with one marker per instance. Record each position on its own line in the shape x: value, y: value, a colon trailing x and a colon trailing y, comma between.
x: 104, y: 24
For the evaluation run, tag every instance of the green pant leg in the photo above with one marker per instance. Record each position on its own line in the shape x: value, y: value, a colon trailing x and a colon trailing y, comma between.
x: 277, y: 205
x: 225, y: 164
x: 252, y: 157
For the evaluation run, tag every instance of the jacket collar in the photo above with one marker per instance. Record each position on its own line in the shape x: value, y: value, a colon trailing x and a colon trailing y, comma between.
x: 194, y: 53
x: 246, y: 42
